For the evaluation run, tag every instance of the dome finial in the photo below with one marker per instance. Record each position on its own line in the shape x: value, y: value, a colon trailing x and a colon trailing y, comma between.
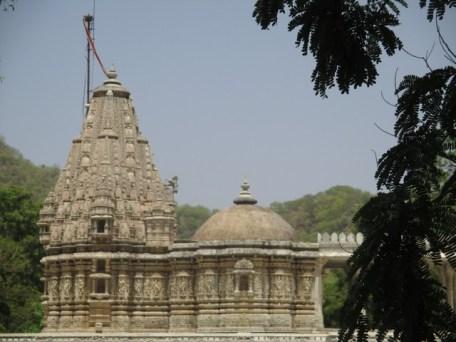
x: 245, y: 197
x: 112, y: 73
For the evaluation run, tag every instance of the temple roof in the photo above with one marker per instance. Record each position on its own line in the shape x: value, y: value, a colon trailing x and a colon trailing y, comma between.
x: 245, y: 221
x: 109, y: 173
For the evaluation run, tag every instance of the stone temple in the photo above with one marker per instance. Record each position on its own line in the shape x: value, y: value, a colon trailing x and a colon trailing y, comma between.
x: 113, y: 263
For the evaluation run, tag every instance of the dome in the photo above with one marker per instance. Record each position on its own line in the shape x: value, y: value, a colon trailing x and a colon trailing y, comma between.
x: 245, y: 221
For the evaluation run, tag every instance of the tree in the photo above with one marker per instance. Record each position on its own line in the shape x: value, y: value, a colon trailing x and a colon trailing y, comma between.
x: 190, y: 218
x: 20, y: 270
x: 412, y: 220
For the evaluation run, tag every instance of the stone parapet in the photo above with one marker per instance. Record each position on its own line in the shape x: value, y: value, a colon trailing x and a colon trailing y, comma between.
x: 323, y: 336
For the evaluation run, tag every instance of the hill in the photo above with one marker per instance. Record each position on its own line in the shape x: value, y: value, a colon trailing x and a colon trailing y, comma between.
x: 23, y: 186
x: 328, y: 211
x: 17, y: 171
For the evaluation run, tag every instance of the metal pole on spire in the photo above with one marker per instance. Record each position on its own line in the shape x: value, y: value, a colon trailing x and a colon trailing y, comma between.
x: 88, y: 23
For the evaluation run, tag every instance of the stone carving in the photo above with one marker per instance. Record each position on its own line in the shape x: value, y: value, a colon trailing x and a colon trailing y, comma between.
x: 154, y: 287
x: 138, y: 285
x: 305, y: 285
x: 65, y: 288
x: 258, y: 285
x: 53, y: 289
x: 181, y: 285
x: 79, y: 288
x: 207, y: 284
x: 68, y: 232
x: 123, y: 287
x: 55, y: 233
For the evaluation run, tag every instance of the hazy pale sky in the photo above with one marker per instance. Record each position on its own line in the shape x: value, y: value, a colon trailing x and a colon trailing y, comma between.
x: 218, y: 98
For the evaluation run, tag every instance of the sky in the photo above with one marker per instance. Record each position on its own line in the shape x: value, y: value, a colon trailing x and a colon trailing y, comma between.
x: 219, y: 99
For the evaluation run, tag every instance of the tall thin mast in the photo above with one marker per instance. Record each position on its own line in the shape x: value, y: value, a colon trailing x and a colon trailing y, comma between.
x: 88, y: 19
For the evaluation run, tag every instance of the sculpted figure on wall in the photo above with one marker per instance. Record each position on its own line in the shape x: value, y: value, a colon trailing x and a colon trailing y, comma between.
x: 258, y: 285
x: 65, y: 288
x: 138, y: 285
x: 123, y: 287
x: 154, y: 286
x: 55, y: 233
x: 79, y: 288
x: 207, y: 284
x: 305, y: 284
x: 68, y: 232
x: 53, y: 289
x: 181, y: 285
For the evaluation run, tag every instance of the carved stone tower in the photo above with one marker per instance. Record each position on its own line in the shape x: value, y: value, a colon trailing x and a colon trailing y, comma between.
x: 109, y: 199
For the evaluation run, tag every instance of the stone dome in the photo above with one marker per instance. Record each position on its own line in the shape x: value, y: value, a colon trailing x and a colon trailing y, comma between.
x: 245, y: 221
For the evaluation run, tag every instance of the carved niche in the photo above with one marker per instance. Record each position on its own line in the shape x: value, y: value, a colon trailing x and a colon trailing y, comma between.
x: 65, y: 288
x: 123, y: 287
x: 181, y: 285
x: 138, y: 286
x: 280, y: 285
x: 243, y: 277
x: 306, y: 282
x: 207, y: 284
x: 79, y: 288
x: 154, y: 287
x: 53, y: 289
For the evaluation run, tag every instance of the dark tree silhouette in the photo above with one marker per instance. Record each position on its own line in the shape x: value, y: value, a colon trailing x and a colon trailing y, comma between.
x: 411, y: 223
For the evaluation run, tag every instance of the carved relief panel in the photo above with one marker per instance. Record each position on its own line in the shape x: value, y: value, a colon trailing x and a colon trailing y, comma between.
x: 53, y: 289
x: 79, y: 288
x: 65, y: 288
x: 306, y: 282
x: 154, y: 287
x: 138, y: 286
x: 281, y: 285
x: 207, y: 284
x: 181, y: 285
x: 123, y: 287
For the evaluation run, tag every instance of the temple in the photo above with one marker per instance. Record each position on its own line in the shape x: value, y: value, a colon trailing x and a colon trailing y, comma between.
x: 113, y: 262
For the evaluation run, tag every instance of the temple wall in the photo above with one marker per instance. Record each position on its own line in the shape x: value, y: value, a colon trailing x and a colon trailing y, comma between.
x: 199, y: 290
x: 324, y: 336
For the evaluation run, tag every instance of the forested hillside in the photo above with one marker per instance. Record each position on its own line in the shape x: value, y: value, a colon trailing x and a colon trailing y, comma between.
x: 328, y: 211
x: 17, y: 171
x: 23, y: 186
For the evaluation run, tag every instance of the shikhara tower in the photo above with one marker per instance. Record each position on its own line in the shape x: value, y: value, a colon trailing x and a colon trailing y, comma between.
x: 108, y: 199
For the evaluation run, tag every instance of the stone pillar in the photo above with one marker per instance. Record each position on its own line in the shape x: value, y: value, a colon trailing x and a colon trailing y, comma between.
x: 207, y: 295
x: 53, y: 309
x: 156, y: 309
x: 121, y: 296
x: 137, y: 316
x: 66, y: 298
x: 81, y: 291
x: 318, y: 293
x: 306, y: 316
x: 182, y: 302
x: 280, y: 298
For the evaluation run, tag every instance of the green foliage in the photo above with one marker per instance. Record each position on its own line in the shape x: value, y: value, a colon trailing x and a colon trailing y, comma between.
x: 190, y: 218
x: 20, y: 271
x: 346, y: 37
x: 335, y: 293
x: 328, y: 211
x: 412, y: 223
x: 17, y: 171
